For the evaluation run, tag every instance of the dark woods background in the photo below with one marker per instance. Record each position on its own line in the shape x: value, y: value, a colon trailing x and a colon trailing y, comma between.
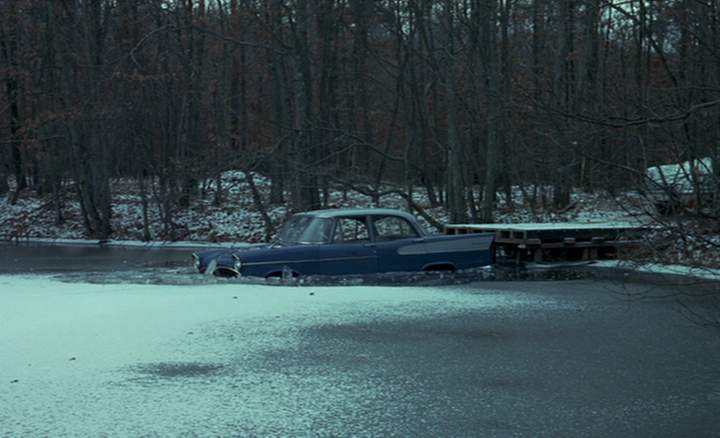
x: 460, y: 99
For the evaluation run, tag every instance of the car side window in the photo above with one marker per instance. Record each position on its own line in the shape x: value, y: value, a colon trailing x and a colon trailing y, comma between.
x: 393, y: 228
x: 319, y: 231
x: 350, y: 229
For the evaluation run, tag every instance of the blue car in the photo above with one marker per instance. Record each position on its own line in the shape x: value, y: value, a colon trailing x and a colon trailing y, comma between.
x: 350, y: 241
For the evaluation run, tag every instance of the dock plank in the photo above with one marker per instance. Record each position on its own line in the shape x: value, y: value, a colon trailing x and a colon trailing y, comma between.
x: 560, y: 240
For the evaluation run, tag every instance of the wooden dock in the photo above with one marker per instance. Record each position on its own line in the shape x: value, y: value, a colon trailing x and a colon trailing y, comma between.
x: 540, y: 242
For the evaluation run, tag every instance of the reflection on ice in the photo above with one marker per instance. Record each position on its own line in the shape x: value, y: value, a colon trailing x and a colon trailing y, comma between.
x: 179, y: 369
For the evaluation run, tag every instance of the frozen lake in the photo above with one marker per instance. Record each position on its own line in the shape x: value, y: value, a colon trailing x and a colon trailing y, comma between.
x: 88, y: 349
x: 86, y: 258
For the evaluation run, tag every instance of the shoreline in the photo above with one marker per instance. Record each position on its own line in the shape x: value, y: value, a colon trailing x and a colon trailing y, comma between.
x: 112, y: 243
x: 656, y: 270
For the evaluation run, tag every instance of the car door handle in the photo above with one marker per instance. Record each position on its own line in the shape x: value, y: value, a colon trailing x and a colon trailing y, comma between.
x: 418, y: 240
x: 369, y: 245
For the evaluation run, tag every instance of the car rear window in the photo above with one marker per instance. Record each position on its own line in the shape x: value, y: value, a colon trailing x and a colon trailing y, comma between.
x: 393, y: 228
x: 350, y: 229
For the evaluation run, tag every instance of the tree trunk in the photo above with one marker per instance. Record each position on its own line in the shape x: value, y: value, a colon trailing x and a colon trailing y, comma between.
x: 457, y: 204
x: 85, y: 131
x: 280, y: 122
x: 260, y: 206
x: 305, y: 191
x: 564, y: 99
x: 492, y: 109
x: 144, y: 204
x: 8, y: 51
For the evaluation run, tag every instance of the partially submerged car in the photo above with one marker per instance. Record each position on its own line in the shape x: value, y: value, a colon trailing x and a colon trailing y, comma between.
x: 687, y: 185
x: 350, y: 241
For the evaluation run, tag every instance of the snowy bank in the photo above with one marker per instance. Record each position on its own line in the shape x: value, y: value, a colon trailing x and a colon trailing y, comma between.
x: 128, y: 243
x: 660, y: 269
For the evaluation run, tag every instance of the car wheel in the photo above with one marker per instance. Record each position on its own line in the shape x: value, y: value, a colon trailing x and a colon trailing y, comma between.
x: 440, y: 267
x: 225, y: 273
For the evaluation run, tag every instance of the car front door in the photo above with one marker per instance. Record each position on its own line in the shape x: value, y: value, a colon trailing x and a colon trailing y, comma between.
x: 350, y: 250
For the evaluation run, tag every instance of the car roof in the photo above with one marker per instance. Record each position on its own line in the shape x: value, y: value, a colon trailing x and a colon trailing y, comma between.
x: 336, y: 212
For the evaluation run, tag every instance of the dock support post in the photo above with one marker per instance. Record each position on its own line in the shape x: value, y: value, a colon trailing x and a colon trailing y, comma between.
x: 590, y: 253
x: 537, y: 255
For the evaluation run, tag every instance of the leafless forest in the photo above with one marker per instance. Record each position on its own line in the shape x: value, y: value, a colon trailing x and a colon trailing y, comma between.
x: 370, y: 95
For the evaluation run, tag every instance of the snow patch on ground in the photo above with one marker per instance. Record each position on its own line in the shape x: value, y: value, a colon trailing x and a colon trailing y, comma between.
x: 180, y: 244
x: 237, y: 219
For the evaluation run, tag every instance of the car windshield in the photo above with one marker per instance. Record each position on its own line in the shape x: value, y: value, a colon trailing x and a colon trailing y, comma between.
x: 305, y: 229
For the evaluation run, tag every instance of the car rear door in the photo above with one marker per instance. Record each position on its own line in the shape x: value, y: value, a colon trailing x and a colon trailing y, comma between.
x: 391, y: 233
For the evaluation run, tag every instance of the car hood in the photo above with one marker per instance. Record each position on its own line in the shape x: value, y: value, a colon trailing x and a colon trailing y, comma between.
x: 277, y: 253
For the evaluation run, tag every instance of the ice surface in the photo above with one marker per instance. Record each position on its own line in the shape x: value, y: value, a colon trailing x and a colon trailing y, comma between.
x: 141, y: 360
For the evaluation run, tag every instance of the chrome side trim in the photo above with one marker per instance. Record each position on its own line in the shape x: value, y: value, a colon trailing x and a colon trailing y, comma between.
x: 336, y: 259
x: 446, y: 246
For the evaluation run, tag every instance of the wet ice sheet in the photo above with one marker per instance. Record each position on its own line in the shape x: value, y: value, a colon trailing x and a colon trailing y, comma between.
x: 129, y: 359
x: 235, y: 359
x: 81, y: 258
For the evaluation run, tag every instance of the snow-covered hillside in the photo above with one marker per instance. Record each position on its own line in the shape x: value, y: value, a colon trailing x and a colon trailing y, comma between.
x: 238, y: 219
